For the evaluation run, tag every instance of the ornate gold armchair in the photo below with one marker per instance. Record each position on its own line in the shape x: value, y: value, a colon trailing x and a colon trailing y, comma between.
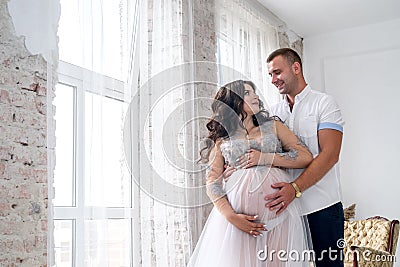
x: 371, y: 242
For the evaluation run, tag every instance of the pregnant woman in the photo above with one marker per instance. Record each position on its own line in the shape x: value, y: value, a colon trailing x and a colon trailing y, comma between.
x: 240, y: 230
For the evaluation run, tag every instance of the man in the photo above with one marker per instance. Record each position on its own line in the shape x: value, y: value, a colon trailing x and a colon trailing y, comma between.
x: 316, y: 119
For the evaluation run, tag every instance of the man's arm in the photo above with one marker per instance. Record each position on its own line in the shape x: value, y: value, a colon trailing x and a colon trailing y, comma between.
x: 330, y: 142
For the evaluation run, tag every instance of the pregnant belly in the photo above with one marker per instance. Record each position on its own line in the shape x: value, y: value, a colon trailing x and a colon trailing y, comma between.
x: 247, y: 188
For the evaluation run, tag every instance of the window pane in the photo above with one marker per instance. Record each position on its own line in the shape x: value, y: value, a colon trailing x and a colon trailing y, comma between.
x: 90, y: 35
x: 110, y: 242
x: 64, y: 169
x: 63, y: 240
x: 107, y: 180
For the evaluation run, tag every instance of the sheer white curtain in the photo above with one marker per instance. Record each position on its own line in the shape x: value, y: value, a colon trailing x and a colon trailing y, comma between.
x: 246, y: 35
x: 156, y: 132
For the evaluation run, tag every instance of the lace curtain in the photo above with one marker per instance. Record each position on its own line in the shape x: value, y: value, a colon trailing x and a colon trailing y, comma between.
x: 156, y: 134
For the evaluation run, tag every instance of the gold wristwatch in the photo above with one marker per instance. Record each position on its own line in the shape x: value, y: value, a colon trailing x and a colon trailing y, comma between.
x: 297, y: 189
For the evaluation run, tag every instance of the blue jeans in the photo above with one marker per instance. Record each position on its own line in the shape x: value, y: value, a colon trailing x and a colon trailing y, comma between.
x: 327, y: 230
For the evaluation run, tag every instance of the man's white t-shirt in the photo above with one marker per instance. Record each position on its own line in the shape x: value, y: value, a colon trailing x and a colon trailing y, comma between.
x: 313, y: 111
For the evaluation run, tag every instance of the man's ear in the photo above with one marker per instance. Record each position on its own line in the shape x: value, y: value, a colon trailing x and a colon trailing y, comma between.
x: 296, y: 67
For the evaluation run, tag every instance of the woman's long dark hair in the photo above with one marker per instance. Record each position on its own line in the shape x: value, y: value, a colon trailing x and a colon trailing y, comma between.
x: 228, y: 114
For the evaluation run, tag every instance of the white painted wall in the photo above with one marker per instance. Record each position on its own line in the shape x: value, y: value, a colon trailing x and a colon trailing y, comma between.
x: 360, y: 67
x: 37, y: 21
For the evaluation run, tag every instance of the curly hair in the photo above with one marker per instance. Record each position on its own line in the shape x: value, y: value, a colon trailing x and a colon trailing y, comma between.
x: 228, y: 114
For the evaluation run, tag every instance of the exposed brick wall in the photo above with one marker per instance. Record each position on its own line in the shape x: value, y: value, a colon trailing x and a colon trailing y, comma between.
x: 23, y: 152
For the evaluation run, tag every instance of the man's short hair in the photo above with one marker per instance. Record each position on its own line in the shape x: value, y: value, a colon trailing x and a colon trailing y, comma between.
x: 289, y: 54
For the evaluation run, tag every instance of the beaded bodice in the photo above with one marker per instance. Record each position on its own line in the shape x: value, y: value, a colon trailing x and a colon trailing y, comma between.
x: 235, y: 146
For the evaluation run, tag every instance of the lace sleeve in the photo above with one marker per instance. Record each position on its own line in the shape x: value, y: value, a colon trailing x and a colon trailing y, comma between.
x: 214, y: 182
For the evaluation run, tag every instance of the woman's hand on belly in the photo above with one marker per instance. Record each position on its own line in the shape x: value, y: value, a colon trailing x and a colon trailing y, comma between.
x: 253, y: 158
x: 246, y: 223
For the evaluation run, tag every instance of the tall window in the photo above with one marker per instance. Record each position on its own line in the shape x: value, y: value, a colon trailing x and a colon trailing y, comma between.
x: 93, y: 189
x: 93, y: 199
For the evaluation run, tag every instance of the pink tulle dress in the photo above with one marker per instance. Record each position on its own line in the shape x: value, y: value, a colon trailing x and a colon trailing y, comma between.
x: 287, y: 241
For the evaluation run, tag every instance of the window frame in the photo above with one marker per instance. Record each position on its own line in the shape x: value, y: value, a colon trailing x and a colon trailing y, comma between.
x: 73, y: 76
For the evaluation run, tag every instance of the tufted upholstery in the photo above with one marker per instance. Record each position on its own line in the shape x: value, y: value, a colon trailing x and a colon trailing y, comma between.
x: 377, y: 236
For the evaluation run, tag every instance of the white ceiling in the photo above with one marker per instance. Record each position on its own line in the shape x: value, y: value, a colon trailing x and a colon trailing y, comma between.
x: 312, y: 17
